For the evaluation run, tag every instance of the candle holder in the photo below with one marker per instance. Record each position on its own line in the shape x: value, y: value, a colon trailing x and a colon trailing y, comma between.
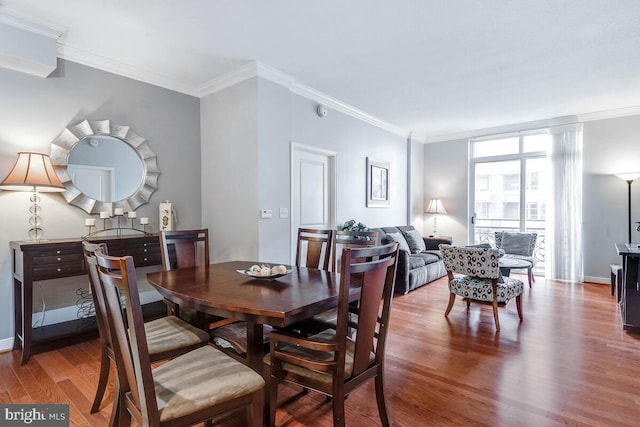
x: 89, y: 229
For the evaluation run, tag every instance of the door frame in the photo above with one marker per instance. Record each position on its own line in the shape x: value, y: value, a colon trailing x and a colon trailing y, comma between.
x: 333, y: 179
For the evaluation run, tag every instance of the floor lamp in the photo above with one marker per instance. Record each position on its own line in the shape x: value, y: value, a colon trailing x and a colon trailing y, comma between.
x: 33, y: 172
x: 435, y: 207
x: 629, y: 178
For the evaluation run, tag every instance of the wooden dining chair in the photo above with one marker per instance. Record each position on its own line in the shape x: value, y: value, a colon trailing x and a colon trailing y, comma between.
x: 314, y: 248
x: 343, y: 239
x: 331, y: 362
x: 190, y: 248
x: 167, y: 337
x: 192, y: 388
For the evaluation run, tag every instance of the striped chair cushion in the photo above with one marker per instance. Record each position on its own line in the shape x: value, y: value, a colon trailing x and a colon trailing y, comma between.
x: 171, y: 333
x: 199, y: 379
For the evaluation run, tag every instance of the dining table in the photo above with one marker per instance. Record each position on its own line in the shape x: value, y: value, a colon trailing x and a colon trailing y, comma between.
x: 224, y: 289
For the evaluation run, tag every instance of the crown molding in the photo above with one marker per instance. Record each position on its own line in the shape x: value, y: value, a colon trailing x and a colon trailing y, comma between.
x: 113, y: 66
x: 511, y: 128
x: 258, y: 69
x: 609, y: 114
x: 29, y: 23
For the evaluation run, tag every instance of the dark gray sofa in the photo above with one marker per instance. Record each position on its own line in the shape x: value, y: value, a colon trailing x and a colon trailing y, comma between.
x: 414, y: 269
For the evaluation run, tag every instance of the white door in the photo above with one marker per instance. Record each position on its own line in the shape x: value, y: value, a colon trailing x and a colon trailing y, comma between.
x: 312, y: 190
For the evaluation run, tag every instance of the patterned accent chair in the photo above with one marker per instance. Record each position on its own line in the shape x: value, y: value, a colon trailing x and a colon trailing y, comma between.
x: 519, y: 246
x: 478, y: 277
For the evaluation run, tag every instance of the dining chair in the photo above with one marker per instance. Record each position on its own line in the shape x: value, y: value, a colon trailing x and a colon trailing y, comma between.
x: 190, y: 248
x: 314, y: 248
x: 167, y: 337
x: 520, y: 246
x: 474, y: 274
x: 192, y: 388
x: 343, y: 239
x: 331, y: 362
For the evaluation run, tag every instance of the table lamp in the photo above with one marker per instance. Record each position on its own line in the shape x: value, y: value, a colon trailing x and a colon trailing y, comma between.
x: 33, y: 172
x: 435, y: 207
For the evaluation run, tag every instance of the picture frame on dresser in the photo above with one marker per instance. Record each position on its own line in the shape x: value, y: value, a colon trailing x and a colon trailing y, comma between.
x: 378, y: 184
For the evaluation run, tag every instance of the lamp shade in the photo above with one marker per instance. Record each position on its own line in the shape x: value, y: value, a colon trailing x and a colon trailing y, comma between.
x: 628, y: 176
x: 32, y: 171
x: 436, y: 207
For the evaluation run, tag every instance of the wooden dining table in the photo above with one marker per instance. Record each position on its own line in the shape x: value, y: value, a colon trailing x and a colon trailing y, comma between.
x: 219, y: 289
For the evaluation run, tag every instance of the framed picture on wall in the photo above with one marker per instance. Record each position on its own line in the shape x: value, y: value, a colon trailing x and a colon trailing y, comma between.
x: 377, y: 184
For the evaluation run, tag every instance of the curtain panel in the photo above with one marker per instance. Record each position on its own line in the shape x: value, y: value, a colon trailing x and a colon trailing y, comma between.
x: 564, y: 225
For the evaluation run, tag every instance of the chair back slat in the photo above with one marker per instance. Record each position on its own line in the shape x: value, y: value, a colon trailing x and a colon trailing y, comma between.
x: 184, y: 248
x: 374, y: 303
x: 118, y: 276
x: 314, y: 248
x: 97, y: 293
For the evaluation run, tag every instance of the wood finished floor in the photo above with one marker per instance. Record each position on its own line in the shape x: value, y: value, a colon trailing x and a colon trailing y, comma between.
x: 568, y: 363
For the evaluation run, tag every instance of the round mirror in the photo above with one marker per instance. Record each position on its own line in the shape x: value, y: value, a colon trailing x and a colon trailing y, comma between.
x: 103, y: 166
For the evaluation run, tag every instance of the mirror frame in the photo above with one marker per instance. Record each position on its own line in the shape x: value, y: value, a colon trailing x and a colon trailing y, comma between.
x: 61, y: 148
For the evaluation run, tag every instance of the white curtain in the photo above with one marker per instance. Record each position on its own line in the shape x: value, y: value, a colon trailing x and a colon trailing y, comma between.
x: 564, y: 229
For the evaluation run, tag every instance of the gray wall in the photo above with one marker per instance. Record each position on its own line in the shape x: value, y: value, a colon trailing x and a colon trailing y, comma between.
x: 446, y: 177
x: 610, y: 146
x: 34, y: 110
x: 262, y: 118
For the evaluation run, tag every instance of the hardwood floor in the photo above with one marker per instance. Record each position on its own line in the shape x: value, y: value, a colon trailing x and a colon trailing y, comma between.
x: 568, y: 363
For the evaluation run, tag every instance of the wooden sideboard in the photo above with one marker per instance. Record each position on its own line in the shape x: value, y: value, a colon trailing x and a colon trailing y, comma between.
x: 54, y: 259
x: 630, y: 291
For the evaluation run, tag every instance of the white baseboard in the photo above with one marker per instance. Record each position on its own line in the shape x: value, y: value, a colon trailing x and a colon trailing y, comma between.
x: 6, y: 345
x: 593, y: 279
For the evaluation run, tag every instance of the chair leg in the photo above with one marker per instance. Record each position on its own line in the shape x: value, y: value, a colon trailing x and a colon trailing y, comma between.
x: 519, y: 307
x: 273, y: 400
x: 382, y: 403
x: 452, y: 298
x: 102, y: 380
x: 495, y: 314
x: 530, y: 275
x: 338, y: 410
x: 255, y: 412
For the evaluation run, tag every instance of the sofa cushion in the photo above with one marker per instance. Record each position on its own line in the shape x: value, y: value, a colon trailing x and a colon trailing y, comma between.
x: 415, y: 241
x: 427, y: 257
x: 416, y: 261
x: 398, y: 238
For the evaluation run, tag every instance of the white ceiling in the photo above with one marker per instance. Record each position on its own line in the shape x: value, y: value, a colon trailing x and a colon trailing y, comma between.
x: 438, y: 68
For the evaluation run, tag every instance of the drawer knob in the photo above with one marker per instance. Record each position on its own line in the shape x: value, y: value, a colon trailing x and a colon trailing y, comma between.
x: 59, y: 259
x: 58, y: 252
x: 146, y: 259
x: 59, y: 270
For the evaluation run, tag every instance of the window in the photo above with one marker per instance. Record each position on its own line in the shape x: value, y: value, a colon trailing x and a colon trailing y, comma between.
x: 509, y: 176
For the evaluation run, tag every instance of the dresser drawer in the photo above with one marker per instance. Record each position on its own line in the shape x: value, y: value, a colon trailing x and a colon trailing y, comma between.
x: 60, y: 258
x: 52, y: 271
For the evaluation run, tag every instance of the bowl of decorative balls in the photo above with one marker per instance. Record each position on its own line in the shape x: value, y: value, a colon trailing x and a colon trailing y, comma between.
x: 265, y: 271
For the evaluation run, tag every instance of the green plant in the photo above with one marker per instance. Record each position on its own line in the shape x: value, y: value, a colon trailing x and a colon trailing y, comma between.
x: 352, y: 225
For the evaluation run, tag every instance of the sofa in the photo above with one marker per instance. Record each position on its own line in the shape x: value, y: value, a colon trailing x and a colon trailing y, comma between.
x: 419, y: 260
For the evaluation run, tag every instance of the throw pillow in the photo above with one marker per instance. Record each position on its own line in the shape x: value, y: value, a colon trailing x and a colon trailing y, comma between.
x: 415, y: 241
x: 516, y: 243
x: 399, y: 239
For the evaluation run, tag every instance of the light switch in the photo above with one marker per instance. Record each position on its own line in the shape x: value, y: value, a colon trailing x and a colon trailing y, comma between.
x: 266, y: 213
x: 284, y: 212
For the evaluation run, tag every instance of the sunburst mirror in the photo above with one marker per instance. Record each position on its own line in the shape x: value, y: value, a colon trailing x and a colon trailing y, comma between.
x: 104, y: 166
